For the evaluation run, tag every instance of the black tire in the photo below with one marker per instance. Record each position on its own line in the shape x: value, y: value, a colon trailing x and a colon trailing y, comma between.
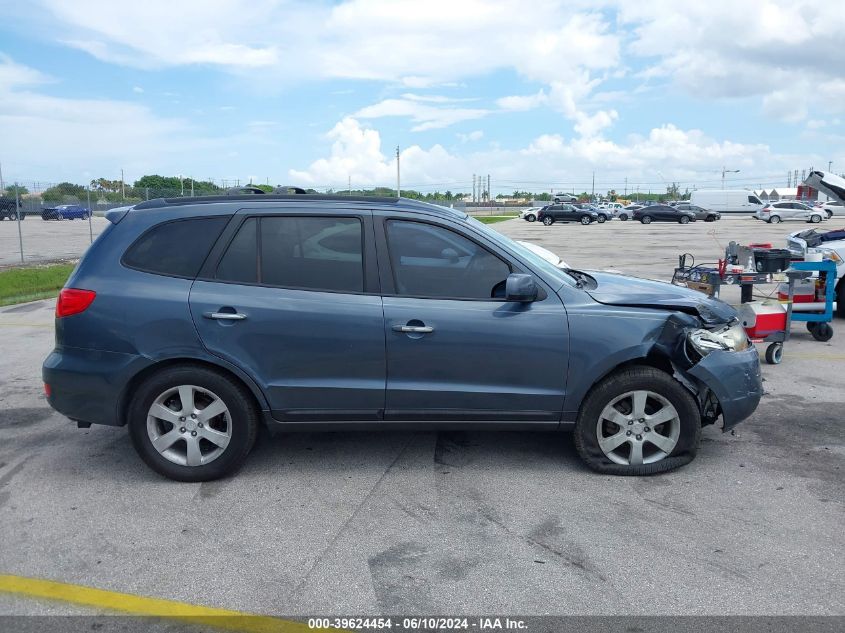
x: 684, y: 220
x: 815, y: 218
x: 586, y: 219
x: 244, y: 422
x: 623, y: 217
x: 710, y: 218
x: 646, y: 219
x: 637, y: 378
x: 548, y: 220
x: 840, y: 299
x: 531, y: 217
x: 822, y: 332
x: 601, y: 219
x: 774, y: 353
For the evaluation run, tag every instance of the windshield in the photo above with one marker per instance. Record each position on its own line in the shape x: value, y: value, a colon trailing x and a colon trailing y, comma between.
x: 548, y: 268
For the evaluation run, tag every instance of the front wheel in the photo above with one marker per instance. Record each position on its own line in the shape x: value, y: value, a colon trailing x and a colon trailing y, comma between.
x: 774, y: 353
x: 586, y: 219
x: 531, y: 218
x: 815, y: 218
x: 623, y: 216
x: 602, y: 219
x: 646, y: 219
x: 684, y: 220
x: 191, y: 423
x: 639, y: 421
x: 548, y: 221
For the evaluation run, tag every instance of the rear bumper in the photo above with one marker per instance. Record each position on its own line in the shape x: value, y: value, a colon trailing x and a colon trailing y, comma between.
x: 86, y: 385
x: 735, y: 379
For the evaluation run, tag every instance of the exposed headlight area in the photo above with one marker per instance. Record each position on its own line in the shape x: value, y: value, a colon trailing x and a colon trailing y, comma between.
x: 828, y: 253
x: 728, y: 338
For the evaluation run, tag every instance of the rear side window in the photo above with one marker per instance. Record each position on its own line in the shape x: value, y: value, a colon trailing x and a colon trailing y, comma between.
x: 175, y: 248
x: 314, y: 253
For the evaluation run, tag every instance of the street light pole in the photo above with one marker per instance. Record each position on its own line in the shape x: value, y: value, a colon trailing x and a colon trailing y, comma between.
x: 398, y: 182
x: 829, y: 163
x: 727, y: 171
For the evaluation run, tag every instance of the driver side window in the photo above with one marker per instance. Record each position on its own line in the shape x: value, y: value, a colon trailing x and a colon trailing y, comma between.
x: 435, y: 262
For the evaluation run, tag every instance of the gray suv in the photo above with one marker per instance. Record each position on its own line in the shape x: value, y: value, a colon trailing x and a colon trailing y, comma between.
x: 194, y: 321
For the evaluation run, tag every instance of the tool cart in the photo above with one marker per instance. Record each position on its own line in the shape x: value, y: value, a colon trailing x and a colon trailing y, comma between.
x: 769, y: 321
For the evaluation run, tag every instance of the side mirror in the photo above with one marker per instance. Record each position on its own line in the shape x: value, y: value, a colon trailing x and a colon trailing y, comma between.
x: 520, y: 287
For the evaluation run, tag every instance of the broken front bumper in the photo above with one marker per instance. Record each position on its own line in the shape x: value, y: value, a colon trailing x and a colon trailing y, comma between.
x: 735, y: 379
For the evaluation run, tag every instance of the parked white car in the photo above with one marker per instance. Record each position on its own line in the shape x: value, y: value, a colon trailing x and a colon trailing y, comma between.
x: 545, y: 254
x: 530, y: 214
x: 775, y: 212
x: 833, y: 208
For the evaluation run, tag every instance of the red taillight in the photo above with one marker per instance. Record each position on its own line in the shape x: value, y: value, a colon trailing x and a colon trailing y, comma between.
x: 73, y: 301
x: 47, y: 389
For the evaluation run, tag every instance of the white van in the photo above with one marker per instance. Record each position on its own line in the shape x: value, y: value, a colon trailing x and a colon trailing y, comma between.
x: 727, y: 200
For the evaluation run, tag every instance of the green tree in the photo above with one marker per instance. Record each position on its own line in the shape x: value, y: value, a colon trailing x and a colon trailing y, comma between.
x: 64, y: 192
x: 11, y: 190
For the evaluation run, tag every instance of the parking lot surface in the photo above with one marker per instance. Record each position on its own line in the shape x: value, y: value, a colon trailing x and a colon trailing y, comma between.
x: 46, y: 240
x: 446, y: 522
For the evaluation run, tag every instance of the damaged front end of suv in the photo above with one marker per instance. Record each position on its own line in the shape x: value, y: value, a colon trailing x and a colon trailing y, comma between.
x: 697, y: 339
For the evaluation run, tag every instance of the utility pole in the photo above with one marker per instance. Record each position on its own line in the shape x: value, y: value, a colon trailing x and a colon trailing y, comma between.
x: 489, y: 193
x: 727, y: 171
x: 398, y: 183
x: 122, y: 186
x: 626, y: 186
x: 192, y: 186
x: 829, y: 163
x: 594, y: 185
x: 18, y: 213
x: 349, y: 184
x: 3, y: 188
x: 473, y: 187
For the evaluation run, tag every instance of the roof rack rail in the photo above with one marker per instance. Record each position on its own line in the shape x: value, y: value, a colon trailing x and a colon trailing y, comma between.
x: 290, y: 190
x: 246, y: 189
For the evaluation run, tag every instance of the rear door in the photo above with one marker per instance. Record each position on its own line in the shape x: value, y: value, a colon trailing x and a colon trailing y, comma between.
x: 292, y: 299
x: 456, y: 351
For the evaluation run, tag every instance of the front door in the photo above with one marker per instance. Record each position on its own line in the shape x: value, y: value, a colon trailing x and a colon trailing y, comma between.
x: 456, y: 351
x: 289, y: 303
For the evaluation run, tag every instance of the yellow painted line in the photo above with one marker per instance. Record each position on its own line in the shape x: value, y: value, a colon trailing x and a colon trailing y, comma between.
x: 148, y: 607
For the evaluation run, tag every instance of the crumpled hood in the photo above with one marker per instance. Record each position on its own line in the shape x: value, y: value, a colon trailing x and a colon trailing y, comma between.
x: 622, y: 290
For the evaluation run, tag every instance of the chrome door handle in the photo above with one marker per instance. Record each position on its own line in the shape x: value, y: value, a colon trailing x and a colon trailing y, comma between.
x: 225, y: 316
x: 419, y: 329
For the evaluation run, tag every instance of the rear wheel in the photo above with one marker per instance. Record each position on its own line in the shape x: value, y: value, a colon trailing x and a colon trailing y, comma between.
x: 646, y: 219
x: 586, y: 219
x: 548, y: 220
x: 639, y: 421
x: 191, y: 423
x: 623, y: 216
x: 815, y: 218
x: 684, y: 220
x: 602, y: 219
x: 775, y: 219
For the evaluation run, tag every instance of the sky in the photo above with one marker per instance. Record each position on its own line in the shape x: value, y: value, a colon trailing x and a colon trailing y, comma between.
x: 539, y: 94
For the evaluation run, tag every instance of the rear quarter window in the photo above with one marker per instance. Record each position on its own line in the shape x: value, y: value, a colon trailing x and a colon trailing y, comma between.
x: 177, y: 248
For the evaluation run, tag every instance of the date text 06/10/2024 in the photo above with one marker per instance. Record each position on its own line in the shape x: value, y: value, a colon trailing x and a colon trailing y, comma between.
x: 418, y: 623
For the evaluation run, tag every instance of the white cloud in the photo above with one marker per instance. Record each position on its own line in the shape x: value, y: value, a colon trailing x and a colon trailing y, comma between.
x: 475, y: 135
x: 137, y: 90
x: 665, y: 153
x: 426, y: 116
x: 103, y: 135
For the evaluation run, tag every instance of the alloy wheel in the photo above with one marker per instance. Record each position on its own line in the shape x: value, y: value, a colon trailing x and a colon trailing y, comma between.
x: 189, y: 425
x: 638, y: 427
